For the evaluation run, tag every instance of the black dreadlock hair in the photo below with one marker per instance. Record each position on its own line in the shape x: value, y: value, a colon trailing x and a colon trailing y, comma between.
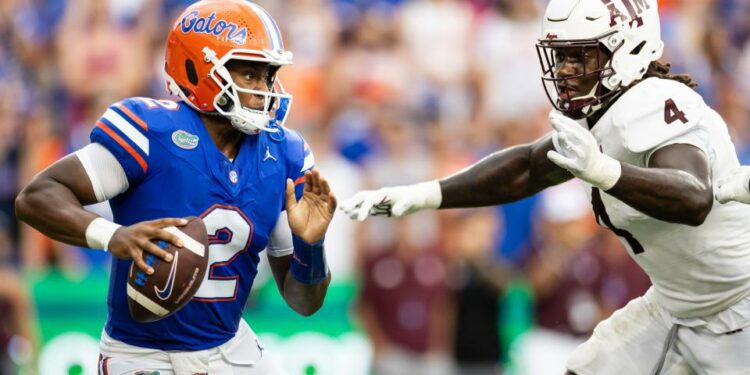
x: 661, y: 70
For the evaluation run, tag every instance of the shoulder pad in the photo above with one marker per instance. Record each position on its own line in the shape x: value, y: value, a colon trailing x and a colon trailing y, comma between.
x: 655, y: 111
x: 152, y: 112
x: 294, y: 145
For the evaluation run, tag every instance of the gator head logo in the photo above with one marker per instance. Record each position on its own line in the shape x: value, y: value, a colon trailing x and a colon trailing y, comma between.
x: 220, y: 29
x: 185, y: 140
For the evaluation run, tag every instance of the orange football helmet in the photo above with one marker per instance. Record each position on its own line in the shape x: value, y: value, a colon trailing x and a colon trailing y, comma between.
x: 204, y: 38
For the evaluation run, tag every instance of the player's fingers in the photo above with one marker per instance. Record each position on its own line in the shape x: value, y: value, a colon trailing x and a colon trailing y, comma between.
x: 164, y: 235
x: 556, y: 141
x: 558, y: 117
x: 559, y: 159
x: 576, y: 150
x: 347, y: 206
x: 140, y: 263
x: 168, y: 222
x: 291, y: 199
x: 325, y: 188
x: 561, y: 123
x: 332, y: 202
x: 352, y: 214
x: 563, y: 141
x: 316, y: 188
x: 354, y: 202
x: 400, y: 208
x: 157, y: 251
x: 308, y: 181
x: 552, y: 114
x: 556, y: 125
x: 364, y: 209
x: 565, y: 128
x: 721, y: 194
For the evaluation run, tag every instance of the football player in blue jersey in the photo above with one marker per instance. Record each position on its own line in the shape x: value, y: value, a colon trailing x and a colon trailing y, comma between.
x: 220, y: 153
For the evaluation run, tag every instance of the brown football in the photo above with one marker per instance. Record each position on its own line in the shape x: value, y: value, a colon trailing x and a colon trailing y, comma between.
x: 173, y: 284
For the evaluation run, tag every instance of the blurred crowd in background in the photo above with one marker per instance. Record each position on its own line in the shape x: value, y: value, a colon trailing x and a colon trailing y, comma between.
x: 386, y: 92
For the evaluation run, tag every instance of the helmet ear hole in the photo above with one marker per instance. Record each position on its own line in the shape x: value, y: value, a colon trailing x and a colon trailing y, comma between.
x: 192, y: 75
x: 638, y: 48
x: 224, y: 102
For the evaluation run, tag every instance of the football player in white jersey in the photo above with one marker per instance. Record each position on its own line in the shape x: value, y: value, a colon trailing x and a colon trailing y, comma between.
x: 648, y: 148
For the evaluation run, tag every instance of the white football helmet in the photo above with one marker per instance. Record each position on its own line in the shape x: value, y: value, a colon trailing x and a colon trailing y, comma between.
x: 630, y: 32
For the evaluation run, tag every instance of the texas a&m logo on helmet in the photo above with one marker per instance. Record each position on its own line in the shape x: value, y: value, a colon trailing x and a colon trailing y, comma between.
x: 632, y: 14
x: 628, y: 32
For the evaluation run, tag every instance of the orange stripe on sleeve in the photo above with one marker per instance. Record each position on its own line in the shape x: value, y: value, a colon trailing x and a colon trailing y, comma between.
x: 124, y: 145
x: 300, y: 180
x: 132, y: 116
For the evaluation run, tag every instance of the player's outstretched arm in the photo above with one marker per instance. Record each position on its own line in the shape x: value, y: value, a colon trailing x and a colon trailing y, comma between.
x: 53, y: 204
x: 505, y: 176
x: 675, y: 187
x: 303, y: 277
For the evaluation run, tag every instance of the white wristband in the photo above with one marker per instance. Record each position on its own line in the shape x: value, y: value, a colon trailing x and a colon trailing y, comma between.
x: 99, y: 232
x: 431, y: 194
x: 603, y: 174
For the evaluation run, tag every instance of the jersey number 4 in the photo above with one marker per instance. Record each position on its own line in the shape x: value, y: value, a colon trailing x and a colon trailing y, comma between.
x: 672, y: 113
x: 229, y: 235
x: 600, y: 212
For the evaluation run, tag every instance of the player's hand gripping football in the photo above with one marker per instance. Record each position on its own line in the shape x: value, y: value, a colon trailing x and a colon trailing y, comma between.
x: 309, y: 217
x: 734, y: 187
x: 394, y: 201
x: 577, y: 151
x: 130, y: 242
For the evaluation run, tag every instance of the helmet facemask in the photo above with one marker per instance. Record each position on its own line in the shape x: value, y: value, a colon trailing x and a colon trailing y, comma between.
x: 276, y: 102
x: 564, y: 90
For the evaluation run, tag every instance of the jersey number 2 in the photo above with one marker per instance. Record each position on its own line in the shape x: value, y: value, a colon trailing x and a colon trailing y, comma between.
x: 672, y: 113
x: 229, y: 235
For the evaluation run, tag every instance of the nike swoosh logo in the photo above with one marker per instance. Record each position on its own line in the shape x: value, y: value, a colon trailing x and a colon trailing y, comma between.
x: 164, y: 293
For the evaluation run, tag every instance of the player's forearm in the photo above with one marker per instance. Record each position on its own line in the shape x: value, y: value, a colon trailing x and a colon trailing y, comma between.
x: 505, y: 176
x: 305, y: 299
x: 53, y: 209
x: 665, y: 194
x: 498, y: 178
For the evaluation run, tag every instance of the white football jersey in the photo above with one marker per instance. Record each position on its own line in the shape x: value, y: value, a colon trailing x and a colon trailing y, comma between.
x: 696, y: 271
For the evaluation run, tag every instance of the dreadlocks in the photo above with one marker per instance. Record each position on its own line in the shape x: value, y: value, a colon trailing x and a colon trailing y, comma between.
x: 661, y: 70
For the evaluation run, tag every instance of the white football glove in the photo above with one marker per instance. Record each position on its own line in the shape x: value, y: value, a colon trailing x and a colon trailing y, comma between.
x: 734, y: 187
x: 393, y: 201
x: 577, y: 151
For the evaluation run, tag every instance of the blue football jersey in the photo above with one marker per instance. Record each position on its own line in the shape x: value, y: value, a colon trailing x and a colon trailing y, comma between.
x: 175, y: 170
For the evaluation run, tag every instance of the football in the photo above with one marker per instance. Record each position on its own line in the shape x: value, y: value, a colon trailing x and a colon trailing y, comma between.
x: 173, y: 284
